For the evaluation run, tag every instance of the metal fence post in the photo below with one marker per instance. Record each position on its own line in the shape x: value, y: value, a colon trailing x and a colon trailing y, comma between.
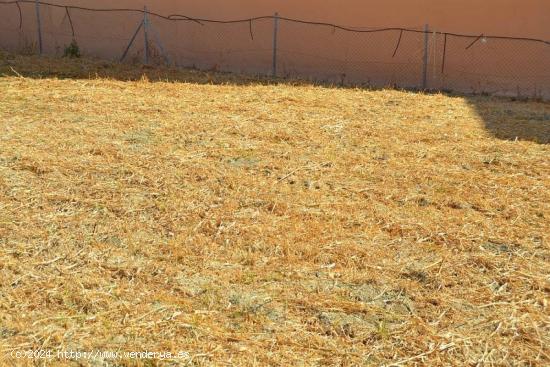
x: 425, y: 61
x: 145, y: 35
x: 275, y: 35
x: 39, y: 25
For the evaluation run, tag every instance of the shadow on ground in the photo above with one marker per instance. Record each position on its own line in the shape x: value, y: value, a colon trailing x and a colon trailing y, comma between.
x: 510, y: 119
x: 67, y: 68
x: 504, y: 118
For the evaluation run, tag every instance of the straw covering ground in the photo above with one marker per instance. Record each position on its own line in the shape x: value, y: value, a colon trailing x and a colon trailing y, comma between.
x: 260, y: 223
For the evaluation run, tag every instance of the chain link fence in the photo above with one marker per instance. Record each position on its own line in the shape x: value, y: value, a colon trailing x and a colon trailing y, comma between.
x: 288, y: 48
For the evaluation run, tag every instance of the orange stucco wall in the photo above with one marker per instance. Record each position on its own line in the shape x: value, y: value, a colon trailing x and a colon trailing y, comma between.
x: 526, y: 18
x: 500, y: 66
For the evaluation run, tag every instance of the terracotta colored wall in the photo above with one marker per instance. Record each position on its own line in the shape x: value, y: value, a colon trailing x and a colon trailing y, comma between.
x: 527, y: 18
x: 505, y: 67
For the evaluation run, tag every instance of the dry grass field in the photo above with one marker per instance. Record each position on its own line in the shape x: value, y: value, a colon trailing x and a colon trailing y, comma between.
x: 253, y: 223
